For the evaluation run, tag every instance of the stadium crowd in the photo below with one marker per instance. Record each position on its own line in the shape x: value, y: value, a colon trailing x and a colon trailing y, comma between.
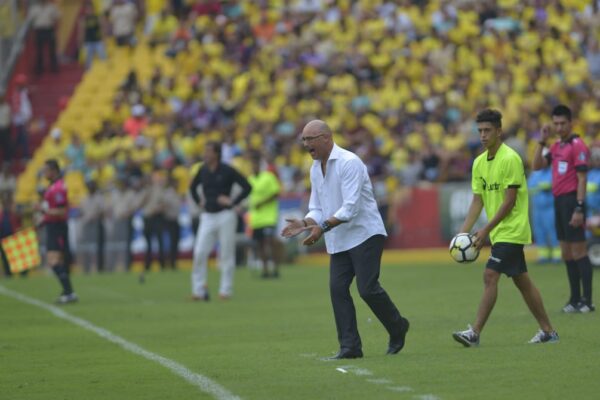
x: 398, y: 82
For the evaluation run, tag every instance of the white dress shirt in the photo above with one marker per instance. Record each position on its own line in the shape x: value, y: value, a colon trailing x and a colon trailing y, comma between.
x: 346, y: 193
x: 44, y: 16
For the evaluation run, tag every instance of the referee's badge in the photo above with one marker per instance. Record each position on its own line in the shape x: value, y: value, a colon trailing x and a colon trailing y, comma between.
x: 563, y: 167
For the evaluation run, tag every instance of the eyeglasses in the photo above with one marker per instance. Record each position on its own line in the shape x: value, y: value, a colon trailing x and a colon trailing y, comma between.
x: 308, y: 139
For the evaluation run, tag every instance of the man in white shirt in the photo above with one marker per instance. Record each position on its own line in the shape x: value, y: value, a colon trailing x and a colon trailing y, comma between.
x: 123, y: 16
x: 342, y: 205
x: 22, y: 113
x: 44, y: 19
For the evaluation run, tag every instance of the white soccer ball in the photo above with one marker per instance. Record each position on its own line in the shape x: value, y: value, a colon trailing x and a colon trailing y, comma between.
x: 462, y: 248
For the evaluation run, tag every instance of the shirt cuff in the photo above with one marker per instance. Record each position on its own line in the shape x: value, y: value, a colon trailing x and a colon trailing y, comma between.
x: 315, y: 215
x: 343, y: 215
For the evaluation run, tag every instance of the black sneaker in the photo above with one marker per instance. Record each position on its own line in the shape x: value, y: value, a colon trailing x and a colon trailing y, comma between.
x: 67, y: 298
x: 544, y: 337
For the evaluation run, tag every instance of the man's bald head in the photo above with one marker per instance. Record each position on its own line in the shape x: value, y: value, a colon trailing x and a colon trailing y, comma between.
x: 317, y: 139
x: 317, y: 127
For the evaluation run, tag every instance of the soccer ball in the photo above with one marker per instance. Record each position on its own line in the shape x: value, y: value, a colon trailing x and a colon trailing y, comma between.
x: 462, y: 248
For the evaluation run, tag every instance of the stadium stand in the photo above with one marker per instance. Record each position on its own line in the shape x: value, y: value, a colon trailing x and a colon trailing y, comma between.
x: 398, y: 81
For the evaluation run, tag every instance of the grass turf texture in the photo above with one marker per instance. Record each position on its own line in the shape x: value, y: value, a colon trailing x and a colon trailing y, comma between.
x: 268, y: 341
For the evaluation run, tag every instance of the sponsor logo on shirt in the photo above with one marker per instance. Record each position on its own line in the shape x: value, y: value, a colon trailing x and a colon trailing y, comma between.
x: 490, y: 186
x: 582, y: 156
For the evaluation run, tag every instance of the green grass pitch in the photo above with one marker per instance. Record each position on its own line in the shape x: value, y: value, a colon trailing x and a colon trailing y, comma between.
x: 269, y: 340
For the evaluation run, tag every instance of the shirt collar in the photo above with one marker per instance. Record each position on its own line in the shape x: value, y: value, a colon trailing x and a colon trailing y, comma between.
x: 336, y: 152
x: 570, y: 138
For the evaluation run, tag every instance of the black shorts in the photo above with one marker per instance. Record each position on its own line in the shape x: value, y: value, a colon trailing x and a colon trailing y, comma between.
x: 564, y: 205
x: 57, y: 237
x: 263, y: 233
x: 508, y: 259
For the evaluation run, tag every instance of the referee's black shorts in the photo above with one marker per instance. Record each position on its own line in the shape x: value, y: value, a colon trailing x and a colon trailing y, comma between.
x: 508, y: 259
x: 263, y: 233
x: 564, y: 205
x: 57, y: 237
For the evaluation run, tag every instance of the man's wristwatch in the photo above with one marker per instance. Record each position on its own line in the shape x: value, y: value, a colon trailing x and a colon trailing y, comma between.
x: 580, y: 206
x: 325, y: 226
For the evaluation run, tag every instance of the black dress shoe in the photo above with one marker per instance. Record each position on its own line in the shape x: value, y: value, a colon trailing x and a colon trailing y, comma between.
x: 347, y: 354
x: 397, y: 342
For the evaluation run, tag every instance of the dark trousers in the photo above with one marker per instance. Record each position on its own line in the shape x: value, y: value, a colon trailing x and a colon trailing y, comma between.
x: 21, y: 143
x: 5, y: 144
x: 153, y: 228
x: 128, y: 254
x: 100, y: 246
x: 173, y: 232
x: 364, y: 262
x: 45, y: 37
x: 5, y: 264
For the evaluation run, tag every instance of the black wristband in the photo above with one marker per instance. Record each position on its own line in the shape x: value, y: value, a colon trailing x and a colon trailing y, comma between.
x: 578, y: 209
x: 542, y: 143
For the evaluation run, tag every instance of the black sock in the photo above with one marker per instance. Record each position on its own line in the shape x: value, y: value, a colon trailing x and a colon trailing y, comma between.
x: 574, y: 279
x: 63, y: 277
x: 586, y: 271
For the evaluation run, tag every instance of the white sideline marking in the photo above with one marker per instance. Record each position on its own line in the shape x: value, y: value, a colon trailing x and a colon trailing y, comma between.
x: 356, y: 370
x: 379, y: 381
x: 202, y: 382
x: 400, y: 389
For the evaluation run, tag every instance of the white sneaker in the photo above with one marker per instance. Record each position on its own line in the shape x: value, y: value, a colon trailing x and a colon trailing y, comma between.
x: 467, y: 338
x: 544, y: 337
x: 570, y: 308
x: 67, y: 298
x: 585, y: 308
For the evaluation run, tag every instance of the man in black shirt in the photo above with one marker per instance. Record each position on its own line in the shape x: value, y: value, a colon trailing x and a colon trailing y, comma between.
x: 211, y: 190
x: 91, y: 35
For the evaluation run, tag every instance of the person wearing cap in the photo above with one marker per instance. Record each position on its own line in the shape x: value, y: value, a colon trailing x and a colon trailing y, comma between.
x: 45, y: 16
x: 56, y: 148
x: 137, y: 122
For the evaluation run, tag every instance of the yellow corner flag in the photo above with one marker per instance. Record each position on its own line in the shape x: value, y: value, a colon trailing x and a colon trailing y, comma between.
x: 22, y: 250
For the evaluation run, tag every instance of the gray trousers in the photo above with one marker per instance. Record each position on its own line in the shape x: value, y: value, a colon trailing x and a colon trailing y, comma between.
x: 364, y: 262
